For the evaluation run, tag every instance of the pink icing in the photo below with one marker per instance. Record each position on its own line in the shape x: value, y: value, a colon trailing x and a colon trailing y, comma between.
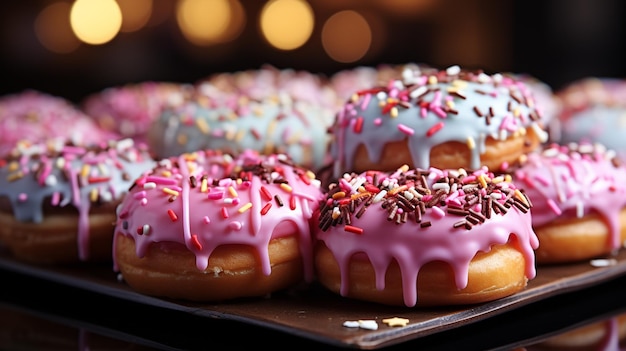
x: 36, y: 116
x: 69, y: 174
x: 129, y: 110
x: 575, y: 180
x: 171, y: 205
x: 411, y: 216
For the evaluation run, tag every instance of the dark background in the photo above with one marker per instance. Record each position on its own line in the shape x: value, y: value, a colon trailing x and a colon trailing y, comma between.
x: 557, y: 41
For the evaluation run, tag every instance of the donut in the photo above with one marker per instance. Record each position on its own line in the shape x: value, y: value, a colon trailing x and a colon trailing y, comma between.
x: 129, y: 109
x: 594, y: 111
x: 205, y: 226
x: 418, y: 237
x: 579, y: 197
x: 547, y: 103
x: 35, y: 116
x: 235, y: 122
x: 604, y: 335
x: 58, y: 198
x: 447, y: 119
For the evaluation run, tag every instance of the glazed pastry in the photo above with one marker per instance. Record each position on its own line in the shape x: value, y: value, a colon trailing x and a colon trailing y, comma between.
x: 425, y: 237
x: 579, y: 197
x: 447, y: 119
x: 206, y: 227
x: 235, y: 122
x: 58, y: 199
x: 128, y: 110
x: 35, y: 116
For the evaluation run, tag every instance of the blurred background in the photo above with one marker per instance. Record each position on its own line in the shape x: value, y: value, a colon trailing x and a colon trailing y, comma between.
x: 73, y: 48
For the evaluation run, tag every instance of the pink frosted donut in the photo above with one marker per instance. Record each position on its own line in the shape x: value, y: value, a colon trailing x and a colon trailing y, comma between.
x: 128, y: 110
x: 579, y: 201
x: 58, y: 199
x: 425, y: 237
x: 35, y: 116
x: 204, y: 226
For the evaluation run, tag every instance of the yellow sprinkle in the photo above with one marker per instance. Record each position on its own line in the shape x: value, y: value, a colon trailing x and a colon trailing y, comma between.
x: 15, y: 176
x: 360, y: 195
x: 482, y: 181
x: 84, y: 172
x: 232, y: 191
x: 245, y: 207
x: 204, y: 186
x: 60, y: 163
x: 286, y: 187
x: 361, y: 189
x: 336, y: 213
x: 508, y: 178
x: 450, y: 104
x: 521, y: 196
x: 354, y: 97
x: 93, y: 195
x: 203, y: 126
x: 239, y: 135
x: 403, y: 168
x: 432, y: 80
x: 230, y: 134
x: 294, y: 137
x: 517, y: 112
x: 471, y: 144
x: 258, y: 111
x: 181, y: 139
x: 103, y: 169
x: 166, y: 173
x: 398, y: 189
x: 339, y: 195
x: 498, y: 179
x: 14, y: 166
x: 394, y: 112
x: 310, y: 174
x: 170, y: 191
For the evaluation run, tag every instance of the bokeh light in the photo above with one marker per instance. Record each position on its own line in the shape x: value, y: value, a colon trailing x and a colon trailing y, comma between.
x: 135, y: 14
x: 203, y: 22
x: 95, y: 21
x: 53, y: 28
x: 287, y: 24
x: 346, y: 36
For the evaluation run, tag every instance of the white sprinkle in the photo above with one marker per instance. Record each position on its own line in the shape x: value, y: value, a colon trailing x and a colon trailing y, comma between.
x: 368, y: 324
x: 351, y: 324
x: 453, y: 70
x: 149, y: 185
x: 602, y: 262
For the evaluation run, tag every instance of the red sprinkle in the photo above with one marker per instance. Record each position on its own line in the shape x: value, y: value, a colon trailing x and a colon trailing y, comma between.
x: 266, y: 208
x: 292, y: 203
x: 224, y: 212
x: 196, y: 242
x: 358, y: 125
x: 266, y: 193
x: 353, y: 229
x: 172, y: 215
x: 92, y: 180
x: 434, y: 129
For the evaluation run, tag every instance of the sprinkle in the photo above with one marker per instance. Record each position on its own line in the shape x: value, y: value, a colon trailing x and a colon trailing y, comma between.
x: 92, y: 180
x: 145, y: 230
x: 434, y: 129
x: 265, y: 193
x: 266, y: 208
x: 471, y: 144
x: 232, y: 191
x: 405, y: 129
x: 235, y: 225
x: 196, y: 242
x: 603, y: 262
x: 358, y: 125
x: 149, y: 185
x: 171, y: 192
x: 396, y: 322
x: 279, y: 201
x: 224, y: 212
x: 554, y: 207
x: 292, y: 203
x: 353, y: 229
x: 215, y: 195
x: 206, y: 220
x: 161, y: 180
x: 22, y: 197
x: 172, y: 215
x: 286, y: 187
x: 245, y: 207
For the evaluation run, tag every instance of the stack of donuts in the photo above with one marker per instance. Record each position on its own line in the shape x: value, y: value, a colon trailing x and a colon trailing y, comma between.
x: 404, y: 185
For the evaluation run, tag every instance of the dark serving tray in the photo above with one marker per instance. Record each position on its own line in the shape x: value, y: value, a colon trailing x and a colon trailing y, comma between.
x: 311, y: 312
